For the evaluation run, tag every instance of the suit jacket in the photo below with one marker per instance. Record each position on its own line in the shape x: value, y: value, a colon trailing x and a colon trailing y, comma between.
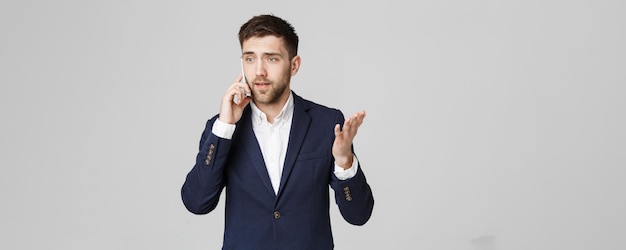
x: 298, y: 216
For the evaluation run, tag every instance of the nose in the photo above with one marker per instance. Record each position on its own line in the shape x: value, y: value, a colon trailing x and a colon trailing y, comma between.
x: 259, y: 69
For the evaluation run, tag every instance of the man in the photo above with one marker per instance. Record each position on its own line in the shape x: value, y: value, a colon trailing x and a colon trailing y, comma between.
x: 276, y: 153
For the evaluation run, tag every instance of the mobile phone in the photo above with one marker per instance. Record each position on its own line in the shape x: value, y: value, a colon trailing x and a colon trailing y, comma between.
x: 243, y: 79
x: 243, y: 75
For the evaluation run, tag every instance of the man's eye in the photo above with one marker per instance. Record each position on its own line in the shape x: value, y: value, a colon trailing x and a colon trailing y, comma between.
x: 249, y: 59
x: 272, y: 59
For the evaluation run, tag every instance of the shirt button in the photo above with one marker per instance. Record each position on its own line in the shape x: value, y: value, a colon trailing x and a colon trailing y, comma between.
x: 276, y: 214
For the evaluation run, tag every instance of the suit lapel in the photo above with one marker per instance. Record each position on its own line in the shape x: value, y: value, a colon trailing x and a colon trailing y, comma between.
x: 299, y: 128
x: 251, y: 146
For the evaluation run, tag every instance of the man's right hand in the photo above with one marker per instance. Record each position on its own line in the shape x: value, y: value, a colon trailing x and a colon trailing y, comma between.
x: 231, y: 111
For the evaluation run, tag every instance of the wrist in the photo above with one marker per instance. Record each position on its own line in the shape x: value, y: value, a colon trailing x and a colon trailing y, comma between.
x: 344, y: 162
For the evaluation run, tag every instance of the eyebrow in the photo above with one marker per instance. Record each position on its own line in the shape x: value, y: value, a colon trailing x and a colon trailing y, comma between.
x: 264, y: 54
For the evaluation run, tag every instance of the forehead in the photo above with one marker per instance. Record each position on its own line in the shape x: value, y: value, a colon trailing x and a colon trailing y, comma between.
x: 264, y: 44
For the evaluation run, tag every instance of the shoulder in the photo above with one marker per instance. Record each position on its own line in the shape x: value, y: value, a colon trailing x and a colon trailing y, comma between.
x: 318, y: 113
x: 309, y: 105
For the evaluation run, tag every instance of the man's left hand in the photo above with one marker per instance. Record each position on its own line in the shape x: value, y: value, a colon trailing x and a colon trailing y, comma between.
x: 342, y: 150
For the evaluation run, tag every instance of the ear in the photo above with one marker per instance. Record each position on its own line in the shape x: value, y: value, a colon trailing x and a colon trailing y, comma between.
x: 295, y: 64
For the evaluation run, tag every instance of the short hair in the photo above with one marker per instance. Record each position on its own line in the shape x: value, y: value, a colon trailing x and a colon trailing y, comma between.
x: 264, y: 25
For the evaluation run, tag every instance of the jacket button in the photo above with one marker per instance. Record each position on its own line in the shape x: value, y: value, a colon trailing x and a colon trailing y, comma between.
x: 346, y: 192
x: 276, y: 214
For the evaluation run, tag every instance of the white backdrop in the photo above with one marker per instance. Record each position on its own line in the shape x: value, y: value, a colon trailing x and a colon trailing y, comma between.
x: 491, y: 124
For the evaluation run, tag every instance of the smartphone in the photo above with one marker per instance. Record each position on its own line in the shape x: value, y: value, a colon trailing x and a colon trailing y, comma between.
x: 243, y: 76
x: 243, y: 79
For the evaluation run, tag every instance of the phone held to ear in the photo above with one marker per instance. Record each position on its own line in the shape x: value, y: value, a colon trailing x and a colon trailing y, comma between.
x: 243, y: 79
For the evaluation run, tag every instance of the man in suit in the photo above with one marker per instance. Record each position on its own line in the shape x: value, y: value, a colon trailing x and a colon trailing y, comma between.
x: 276, y: 153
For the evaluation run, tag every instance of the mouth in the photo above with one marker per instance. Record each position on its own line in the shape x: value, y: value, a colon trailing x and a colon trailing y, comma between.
x: 262, y: 85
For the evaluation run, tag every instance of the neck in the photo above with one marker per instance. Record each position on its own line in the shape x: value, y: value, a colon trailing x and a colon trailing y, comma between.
x: 272, y: 110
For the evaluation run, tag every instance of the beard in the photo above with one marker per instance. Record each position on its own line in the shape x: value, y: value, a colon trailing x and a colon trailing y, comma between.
x: 274, y: 93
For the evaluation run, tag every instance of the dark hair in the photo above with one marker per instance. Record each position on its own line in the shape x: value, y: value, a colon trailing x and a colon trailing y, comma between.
x: 264, y: 25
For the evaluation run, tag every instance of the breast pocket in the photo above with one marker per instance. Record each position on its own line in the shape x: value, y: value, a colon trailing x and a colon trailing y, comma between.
x: 313, y: 167
x: 305, y: 156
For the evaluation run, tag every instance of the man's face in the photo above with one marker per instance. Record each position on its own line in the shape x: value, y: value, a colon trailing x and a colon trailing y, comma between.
x: 268, y: 69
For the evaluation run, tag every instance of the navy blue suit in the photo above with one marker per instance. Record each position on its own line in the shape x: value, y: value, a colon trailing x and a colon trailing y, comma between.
x: 298, y: 216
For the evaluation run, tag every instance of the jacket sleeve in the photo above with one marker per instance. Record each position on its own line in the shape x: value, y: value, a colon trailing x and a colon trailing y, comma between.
x: 353, y: 196
x: 205, y: 182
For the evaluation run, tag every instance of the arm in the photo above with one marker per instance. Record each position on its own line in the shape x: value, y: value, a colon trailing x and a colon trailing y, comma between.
x: 205, y: 182
x: 353, y: 196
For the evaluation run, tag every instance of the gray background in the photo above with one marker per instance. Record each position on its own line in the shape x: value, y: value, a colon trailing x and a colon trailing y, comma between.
x: 491, y: 124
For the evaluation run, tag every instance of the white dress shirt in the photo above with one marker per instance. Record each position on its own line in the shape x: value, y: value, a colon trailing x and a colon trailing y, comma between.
x: 273, y: 139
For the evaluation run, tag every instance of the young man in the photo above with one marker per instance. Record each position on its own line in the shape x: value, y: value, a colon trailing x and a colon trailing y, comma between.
x: 276, y: 153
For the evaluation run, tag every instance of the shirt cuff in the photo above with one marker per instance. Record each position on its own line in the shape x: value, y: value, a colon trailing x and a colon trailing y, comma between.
x: 223, y: 130
x: 344, y: 174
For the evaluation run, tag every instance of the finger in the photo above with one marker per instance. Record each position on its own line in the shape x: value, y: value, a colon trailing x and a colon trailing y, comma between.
x: 347, y: 124
x: 235, y: 95
x: 360, y: 114
x: 245, y: 91
x: 358, y: 118
x: 243, y: 87
x: 353, y: 123
x: 337, y: 130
